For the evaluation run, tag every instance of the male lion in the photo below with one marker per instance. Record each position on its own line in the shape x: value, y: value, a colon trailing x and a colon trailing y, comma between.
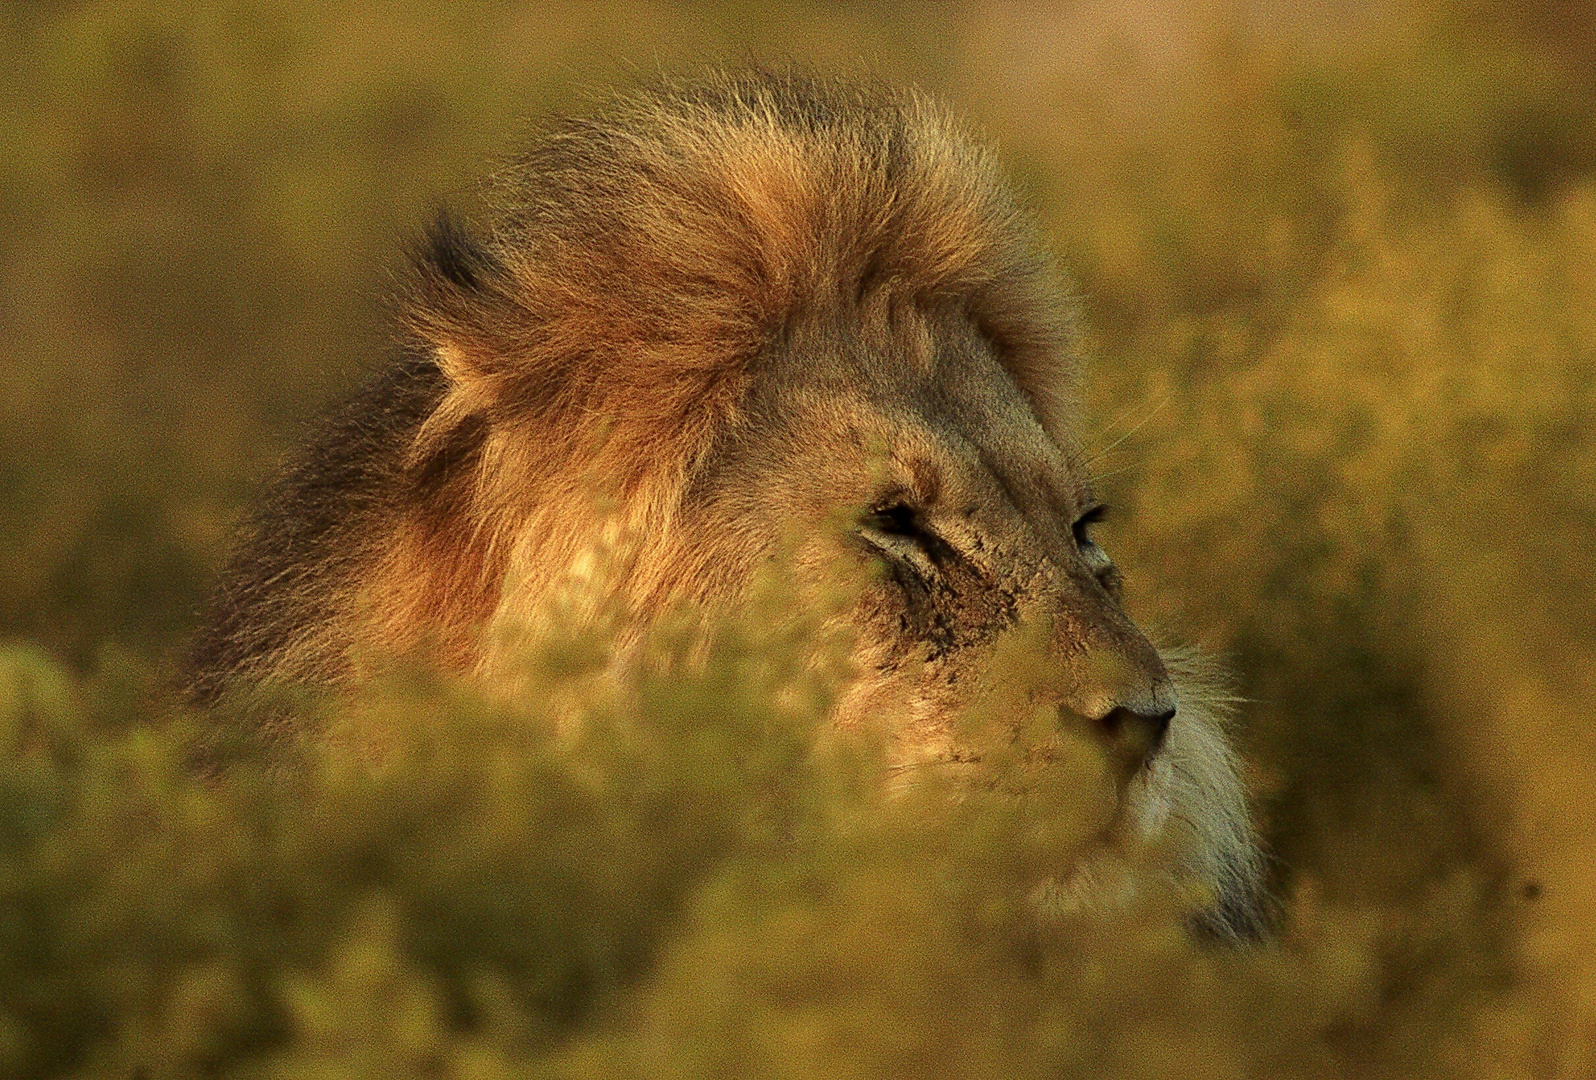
x: 749, y: 305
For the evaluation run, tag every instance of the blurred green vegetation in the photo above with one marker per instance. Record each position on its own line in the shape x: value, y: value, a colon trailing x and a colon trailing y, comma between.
x: 1339, y: 266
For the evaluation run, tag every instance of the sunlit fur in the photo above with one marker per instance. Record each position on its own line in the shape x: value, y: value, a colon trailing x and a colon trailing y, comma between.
x: 718, y: 323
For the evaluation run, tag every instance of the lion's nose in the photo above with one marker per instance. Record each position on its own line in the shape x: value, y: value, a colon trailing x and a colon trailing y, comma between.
x: 1132, y: 735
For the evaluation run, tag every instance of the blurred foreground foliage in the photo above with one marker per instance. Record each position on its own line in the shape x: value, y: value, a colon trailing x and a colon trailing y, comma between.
x: 1339, y: 266
x: 674, y: 875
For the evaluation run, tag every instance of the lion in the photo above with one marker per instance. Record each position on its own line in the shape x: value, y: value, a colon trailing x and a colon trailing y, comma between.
x: 754, y: 304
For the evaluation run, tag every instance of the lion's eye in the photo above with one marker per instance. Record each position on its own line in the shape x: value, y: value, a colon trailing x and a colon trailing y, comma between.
x: 896, y: 520
x: 1083, y: 528
x: 898, y: 531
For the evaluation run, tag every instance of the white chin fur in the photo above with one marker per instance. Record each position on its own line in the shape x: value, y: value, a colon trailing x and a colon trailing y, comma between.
x: 1189, y: 800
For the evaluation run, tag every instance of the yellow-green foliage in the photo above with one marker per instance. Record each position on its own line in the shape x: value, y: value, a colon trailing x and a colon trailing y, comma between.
x: 680, y: 876
x: 1340, y: 275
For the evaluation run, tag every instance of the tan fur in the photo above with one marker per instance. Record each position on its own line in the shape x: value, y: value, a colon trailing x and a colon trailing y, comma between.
x: 702, y: 328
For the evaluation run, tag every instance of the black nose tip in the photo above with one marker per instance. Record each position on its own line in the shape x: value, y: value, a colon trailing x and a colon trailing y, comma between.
x: 1135, y: 736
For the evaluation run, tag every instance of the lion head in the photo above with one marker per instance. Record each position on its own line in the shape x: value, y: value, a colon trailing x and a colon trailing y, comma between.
x: 767, y: 313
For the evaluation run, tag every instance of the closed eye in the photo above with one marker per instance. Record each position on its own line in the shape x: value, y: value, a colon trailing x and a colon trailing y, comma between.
x: 897, y: 520
x: 900, y: 532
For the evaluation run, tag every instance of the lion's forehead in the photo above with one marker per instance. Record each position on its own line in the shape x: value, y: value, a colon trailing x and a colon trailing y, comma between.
x: 961, y: 435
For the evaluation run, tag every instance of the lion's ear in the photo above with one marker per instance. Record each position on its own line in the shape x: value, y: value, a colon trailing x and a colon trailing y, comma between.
x: 458, y: 298
x: 456, y: 292
x: 454, y: 432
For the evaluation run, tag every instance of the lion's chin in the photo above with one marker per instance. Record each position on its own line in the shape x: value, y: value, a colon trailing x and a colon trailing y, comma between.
x: 1103, y: 881
x: 1125, y: 861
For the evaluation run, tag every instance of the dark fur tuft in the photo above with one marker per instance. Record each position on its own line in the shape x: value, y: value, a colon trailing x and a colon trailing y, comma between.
x: 301, y: 555
x: 453, y: 254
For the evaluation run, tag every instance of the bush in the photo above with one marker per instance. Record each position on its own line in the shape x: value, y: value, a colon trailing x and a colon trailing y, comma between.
x: 673, y: 877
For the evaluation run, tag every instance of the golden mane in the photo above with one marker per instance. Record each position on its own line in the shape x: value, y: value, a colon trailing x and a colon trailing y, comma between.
x: 603, y: 324
x: 640, y: 261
